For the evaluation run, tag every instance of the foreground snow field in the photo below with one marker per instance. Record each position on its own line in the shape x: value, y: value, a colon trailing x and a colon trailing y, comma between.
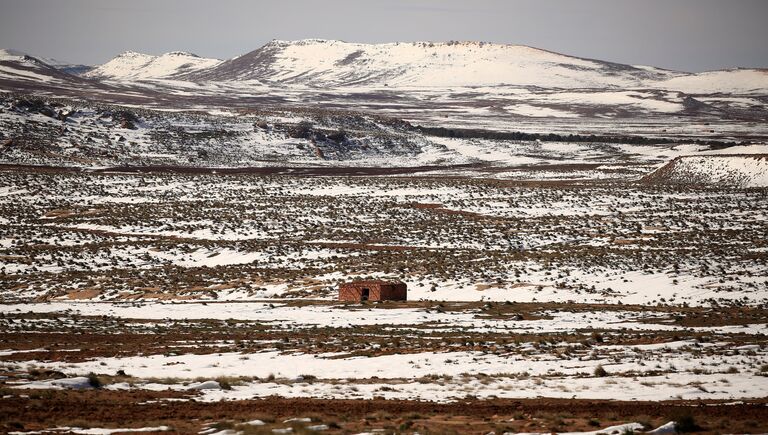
x: 720, y: 367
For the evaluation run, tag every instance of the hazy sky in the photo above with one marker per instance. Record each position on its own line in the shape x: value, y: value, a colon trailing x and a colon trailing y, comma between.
x: 690, y: 35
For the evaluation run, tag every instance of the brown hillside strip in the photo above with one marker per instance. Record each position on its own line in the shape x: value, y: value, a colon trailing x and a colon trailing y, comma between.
x: 439, y: 208
x: 140, y: 408
x: 246, y: 170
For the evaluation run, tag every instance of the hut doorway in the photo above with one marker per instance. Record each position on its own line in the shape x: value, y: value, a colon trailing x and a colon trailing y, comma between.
x: 365, y: 294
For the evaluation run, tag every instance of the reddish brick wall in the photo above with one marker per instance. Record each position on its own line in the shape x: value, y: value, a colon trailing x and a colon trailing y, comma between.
x: 394, y: 292
x: 377, y: 291
x: 354, y: 291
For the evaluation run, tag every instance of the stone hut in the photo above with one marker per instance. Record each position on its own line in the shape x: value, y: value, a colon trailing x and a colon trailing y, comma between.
x: 374, y: 290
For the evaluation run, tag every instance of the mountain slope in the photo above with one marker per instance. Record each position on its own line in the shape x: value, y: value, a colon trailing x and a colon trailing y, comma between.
x: 138, y: 66
x: 319, y: 62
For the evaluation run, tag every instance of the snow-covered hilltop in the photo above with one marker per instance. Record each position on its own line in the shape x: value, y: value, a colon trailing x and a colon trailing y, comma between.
x: 329, y: 63
x: 138, y: 66
x: 320, y: 62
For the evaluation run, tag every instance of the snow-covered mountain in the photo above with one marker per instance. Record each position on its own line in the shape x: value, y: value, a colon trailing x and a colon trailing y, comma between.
x: 318, y: 62
x: 138, y: 66
x: 327, y: 63
x: 466, y: 79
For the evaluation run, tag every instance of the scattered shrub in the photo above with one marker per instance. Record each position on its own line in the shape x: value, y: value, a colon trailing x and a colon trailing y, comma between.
x: 94, y: 380
x: 685, y: 422
x: 600, y: 372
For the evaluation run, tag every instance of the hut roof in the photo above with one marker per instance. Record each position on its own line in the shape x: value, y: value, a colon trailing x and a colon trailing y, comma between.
x: 373, y: 282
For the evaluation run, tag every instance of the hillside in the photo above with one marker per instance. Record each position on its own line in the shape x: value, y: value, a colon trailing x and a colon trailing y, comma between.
x: 729, y: 170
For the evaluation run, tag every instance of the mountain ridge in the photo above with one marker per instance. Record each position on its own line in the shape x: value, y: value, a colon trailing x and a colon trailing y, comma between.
x: 321, y: 63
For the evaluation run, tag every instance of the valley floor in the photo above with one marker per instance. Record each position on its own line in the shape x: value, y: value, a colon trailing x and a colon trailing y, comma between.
x: 201, y: 302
